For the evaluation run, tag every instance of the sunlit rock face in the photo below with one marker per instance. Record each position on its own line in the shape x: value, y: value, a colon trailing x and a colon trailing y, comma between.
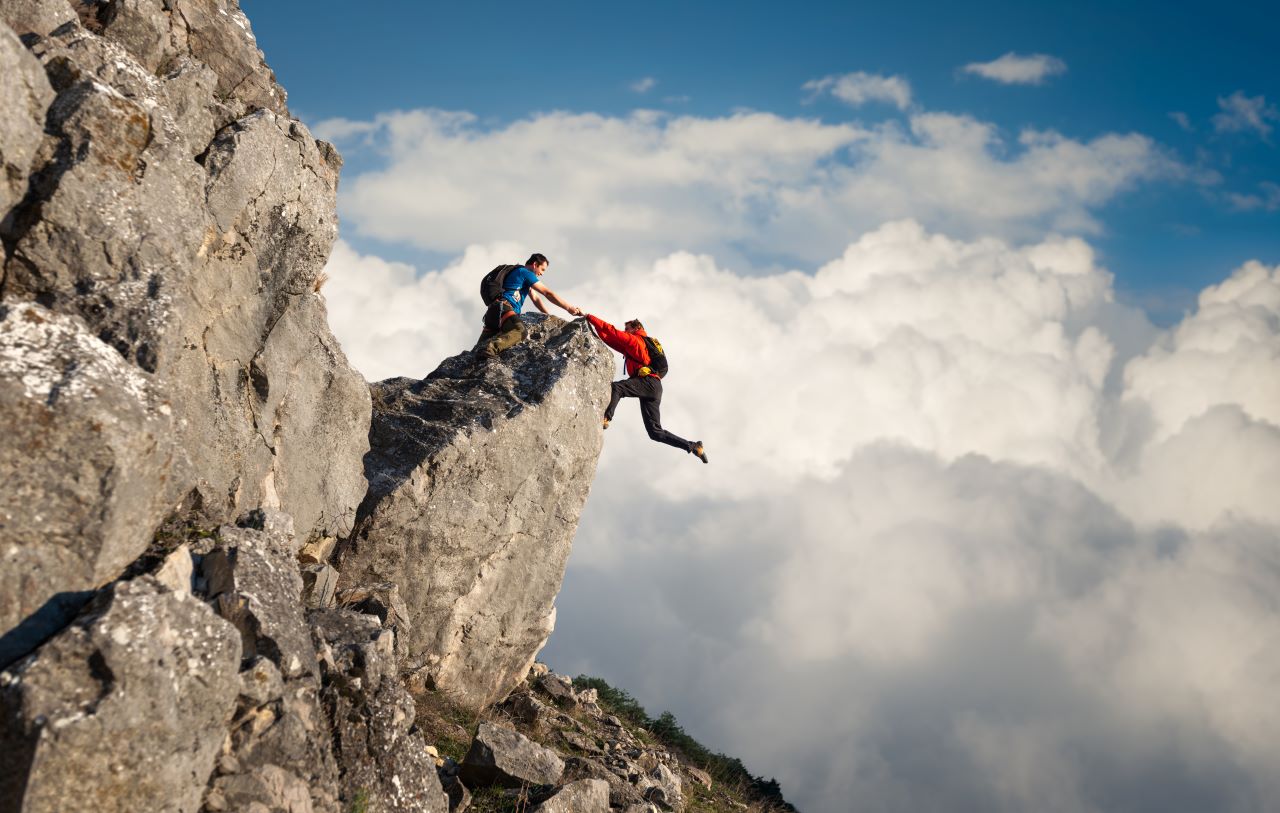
x: 163, y: 347
x: 477, y: 476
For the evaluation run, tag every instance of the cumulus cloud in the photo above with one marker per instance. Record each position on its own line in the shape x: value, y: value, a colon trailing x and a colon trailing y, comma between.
x: 1018, y: 69
x: 860, y: 88
x: 643, y: 85
x: 1239, y: 113
x: 750, y: 185
x: 974, y: 535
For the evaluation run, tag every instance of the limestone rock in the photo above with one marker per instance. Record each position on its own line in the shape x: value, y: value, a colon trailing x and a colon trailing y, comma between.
x: 272, y: 392
x: 560, y: 689
x: 36, y: 16
x: 253, y: 578
x: 583, y: 796
x: 155, y: 188
x: 319, y: 585
x: 269, y: 786
x: 500, y: 756
x: 85, y: 453
x: 123, y: 711
x: 25, y: 95
x: 482, y: 471
x: 175, y: 572
x: 261, y: 683
x: 378, y: 751
x: 663, y: 788
x: 317, y: 551
x: 700, y: 776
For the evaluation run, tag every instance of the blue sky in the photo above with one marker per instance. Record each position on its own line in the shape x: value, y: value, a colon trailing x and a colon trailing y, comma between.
x: 976, y: 534
x: 1128, y: 69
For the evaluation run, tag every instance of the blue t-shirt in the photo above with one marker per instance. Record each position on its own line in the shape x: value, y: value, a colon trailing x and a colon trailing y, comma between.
x: 515, y: 288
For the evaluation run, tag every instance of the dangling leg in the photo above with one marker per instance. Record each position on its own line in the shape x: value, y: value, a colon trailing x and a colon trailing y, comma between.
x: 650, y: 413
x: 626, y: 388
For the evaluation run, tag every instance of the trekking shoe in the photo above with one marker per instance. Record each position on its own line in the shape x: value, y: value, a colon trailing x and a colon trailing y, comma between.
x: 698, y: 451
x: 606, y: 423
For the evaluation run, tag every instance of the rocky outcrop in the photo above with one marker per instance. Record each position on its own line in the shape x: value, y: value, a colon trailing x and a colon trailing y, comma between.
x: 125, y: 710
x: 477, y: 476
x: 163, y: 350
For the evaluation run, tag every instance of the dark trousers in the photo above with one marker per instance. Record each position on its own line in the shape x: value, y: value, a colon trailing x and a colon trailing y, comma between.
x: 649, y: 390
x: 502, y: 328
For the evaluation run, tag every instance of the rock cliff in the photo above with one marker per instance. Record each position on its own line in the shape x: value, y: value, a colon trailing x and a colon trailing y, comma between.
x: 164, y: 223
x: 232, y: 578
x: 481, y: 470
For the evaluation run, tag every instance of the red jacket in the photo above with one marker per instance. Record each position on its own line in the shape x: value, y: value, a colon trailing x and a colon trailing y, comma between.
x: 630, y: 345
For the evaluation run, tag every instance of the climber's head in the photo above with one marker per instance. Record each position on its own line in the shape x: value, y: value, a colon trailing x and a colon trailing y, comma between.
x: 537, y: 263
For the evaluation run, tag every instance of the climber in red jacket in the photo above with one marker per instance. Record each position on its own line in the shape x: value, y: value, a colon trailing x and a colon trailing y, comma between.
x: 646, y: 364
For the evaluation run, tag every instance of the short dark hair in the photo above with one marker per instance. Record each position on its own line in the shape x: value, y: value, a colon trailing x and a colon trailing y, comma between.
x: 535, y: 259
x: 633, y: 323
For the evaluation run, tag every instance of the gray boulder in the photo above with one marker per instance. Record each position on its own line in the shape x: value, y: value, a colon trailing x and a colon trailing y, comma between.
x: 36, y: 16
x: 481, y: 470
x: 583, y: 796
x: 500, y: 756
x: 381, y: 757
x: 663, y: 787
x: 25, y: 95
x: 560, y: 689
x: 278, y: 742
x: 86, y: 453
x: 252, y: 578
x: 125, y: 710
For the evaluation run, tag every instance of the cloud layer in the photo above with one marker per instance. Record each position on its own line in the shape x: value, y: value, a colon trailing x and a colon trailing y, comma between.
x: 974, y: 536
x: 751, y: 188
x: 1018, y: 69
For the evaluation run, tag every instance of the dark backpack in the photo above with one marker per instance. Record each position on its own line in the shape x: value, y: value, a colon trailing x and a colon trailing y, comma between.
x: 491, y: 286
x: 657, y: 357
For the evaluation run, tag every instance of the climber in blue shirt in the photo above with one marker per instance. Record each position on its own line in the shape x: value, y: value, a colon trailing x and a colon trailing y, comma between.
x: 502, y: 325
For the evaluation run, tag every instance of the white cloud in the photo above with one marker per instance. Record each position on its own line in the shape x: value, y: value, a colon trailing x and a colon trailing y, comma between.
x: 861, y: 88
x: 643, y: 85
x: 1182, y: 120
x: 1266, y: 199
x: 1245, y: 114
x: 973, y: 536
x: 748, y: 185
x: 1018, y: 69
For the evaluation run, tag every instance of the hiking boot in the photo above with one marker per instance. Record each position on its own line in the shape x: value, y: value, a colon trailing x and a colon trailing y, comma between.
x: 698, y: 451
x: 606, y: 423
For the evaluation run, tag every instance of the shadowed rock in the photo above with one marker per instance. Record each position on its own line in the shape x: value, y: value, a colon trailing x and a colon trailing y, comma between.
x: 123, y: 711
x: 380, y: 754
x: 500, y: 756
x: 477, y: 476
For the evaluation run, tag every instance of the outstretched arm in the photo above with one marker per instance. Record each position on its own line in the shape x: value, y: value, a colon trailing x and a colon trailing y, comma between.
x: 553, y: 296
x: 625, y: 343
